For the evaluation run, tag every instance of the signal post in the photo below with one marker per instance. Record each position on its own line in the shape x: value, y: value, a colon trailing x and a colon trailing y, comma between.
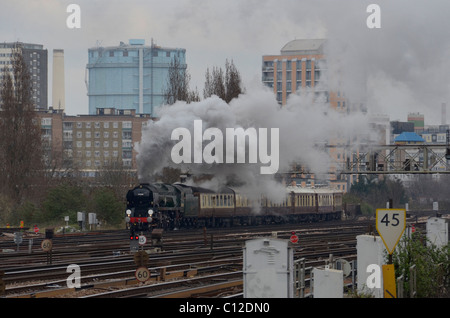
x: 140, y: 257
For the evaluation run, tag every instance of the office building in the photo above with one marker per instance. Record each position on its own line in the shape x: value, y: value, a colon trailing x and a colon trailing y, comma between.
x: 301, y: 67
x: 301, y: 64
x: 129, y: 76
x: 35, y: 57
x: 418, y: 120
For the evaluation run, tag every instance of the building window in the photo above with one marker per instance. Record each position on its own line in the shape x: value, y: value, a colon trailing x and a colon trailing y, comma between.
x: 126, y: 135
x: 127, y: 144
x: 308, y: 64
x: 127, y: 154
x: 308, y: 75
x: 126, y: 163
x: 126, y: 124
x: 279, y: 97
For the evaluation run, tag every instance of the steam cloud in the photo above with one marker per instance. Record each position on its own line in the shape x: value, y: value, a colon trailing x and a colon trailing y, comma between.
x: 397, y: 69
x: 304, y: 127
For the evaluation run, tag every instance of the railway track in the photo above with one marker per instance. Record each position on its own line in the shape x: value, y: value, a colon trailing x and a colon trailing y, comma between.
x: 107, y: 264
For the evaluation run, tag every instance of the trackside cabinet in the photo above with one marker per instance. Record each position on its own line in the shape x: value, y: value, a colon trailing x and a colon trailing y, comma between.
x: 268, y: 269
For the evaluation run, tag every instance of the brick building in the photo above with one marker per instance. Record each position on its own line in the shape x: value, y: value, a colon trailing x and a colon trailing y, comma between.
x: 84, y: 144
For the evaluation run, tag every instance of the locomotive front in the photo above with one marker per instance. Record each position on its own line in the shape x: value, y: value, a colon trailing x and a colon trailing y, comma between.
x: 140, y: 209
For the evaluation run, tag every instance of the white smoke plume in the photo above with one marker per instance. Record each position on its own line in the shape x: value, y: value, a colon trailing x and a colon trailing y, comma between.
x: 305, y: 127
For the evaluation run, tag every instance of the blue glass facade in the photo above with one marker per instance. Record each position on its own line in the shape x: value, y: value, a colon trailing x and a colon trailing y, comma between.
x: 129, y: 76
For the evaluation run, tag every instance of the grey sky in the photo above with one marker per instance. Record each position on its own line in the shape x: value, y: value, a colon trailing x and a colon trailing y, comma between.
x: 402, y: 67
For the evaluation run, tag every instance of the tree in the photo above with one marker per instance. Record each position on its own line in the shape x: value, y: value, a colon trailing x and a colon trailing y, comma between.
x: 377, y: 192
x: 107, y: 206
x: 116, y: 177
x: 425, y: 189
x: 226, y: 86
x: 232, y: 81
x: 432, y: 266
x: 214, y: 83
x: 21, y: 159
x: 63, y: 200
x: 177, y: 87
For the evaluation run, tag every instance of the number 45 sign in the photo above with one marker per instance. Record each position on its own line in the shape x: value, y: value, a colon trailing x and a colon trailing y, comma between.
x: 391, y: 225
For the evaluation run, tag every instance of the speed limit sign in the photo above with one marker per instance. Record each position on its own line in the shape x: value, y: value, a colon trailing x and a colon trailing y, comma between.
x: 46, y: 245
x: 142, y: 274
x: 142, y: 240
x: 390, y: 225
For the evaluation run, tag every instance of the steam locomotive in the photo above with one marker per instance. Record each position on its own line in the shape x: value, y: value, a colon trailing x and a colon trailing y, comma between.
x: 171, y: 206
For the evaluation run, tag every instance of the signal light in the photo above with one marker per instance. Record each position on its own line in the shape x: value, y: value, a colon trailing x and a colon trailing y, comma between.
x: 137, y: 237
x: 131, y: 237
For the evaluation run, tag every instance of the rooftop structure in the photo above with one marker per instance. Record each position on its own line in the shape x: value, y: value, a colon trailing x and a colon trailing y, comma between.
x: 304, y: 47
x: 408, y: 138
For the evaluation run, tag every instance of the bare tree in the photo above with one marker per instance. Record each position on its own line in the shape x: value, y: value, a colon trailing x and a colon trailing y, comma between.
x: 21, y: 160
x: 116, y: 177
x: 177, y: 87
x: 232, y: 81
x: 214, y: 83
x: 226, y: 86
